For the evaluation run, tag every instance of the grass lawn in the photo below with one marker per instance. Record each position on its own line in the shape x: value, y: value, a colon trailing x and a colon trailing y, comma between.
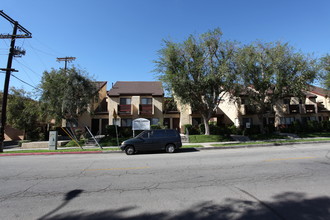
x: 207, y: 138
x: 315, y: 134
x: 270, y: 142
x: 192, y: 146
x: 266, y: 136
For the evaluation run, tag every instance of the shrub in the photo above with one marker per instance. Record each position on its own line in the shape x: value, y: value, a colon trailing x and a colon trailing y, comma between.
x: 201, y: 128
x: 326, y: 125
x: 157, y: 126
x: 314, y: 126
x: 110, y: 130
x: 191, y: 129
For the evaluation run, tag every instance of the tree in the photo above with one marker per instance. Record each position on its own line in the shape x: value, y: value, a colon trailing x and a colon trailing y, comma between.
x: 198, y: 71
x: 325, y: 63
x: 66, y: 93
x: 272, y: 71
x: 24, y: 113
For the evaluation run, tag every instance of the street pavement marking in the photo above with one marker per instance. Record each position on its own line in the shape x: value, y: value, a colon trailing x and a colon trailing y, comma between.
x: 123, y: 168
x: 292, y: 158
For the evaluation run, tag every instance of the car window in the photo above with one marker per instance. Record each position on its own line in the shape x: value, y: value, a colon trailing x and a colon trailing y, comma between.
x: 144, y: 134
x: 158, y: 133
x: 171, y: 133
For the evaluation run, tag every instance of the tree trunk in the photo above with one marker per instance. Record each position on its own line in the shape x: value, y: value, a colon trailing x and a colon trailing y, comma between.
x: 261, y: 120
x: 206, y: 125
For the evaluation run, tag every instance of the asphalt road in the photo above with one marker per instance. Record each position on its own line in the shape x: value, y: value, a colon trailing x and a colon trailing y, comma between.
x: 285, y: 182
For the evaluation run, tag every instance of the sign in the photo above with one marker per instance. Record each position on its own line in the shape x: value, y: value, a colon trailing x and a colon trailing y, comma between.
x: 52, y: 140
x: 141, y: 124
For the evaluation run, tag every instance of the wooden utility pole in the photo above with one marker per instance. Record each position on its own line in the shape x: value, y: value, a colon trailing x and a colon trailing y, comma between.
x: 66, y: 60
x: 12, y: 52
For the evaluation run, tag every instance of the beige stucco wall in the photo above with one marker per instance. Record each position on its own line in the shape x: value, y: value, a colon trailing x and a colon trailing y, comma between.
x: 135, y: 102
x: 113, y: 103
x: 158, y: 103
x: 86, y: 118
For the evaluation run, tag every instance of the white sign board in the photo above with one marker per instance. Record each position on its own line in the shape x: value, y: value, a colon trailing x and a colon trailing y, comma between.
x: 141, y: 124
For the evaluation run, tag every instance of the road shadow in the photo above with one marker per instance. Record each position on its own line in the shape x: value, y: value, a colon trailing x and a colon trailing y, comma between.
x: 67, y: 198
x: 181, y: 150
x: 285, y: 206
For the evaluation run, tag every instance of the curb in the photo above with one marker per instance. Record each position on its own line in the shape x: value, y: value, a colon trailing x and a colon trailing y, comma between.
x: 260, y: 145
x: 197, y: 149
x: 50, y: 153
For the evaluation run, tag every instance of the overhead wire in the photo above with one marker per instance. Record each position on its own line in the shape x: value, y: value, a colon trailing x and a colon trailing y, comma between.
x: 25, y: 82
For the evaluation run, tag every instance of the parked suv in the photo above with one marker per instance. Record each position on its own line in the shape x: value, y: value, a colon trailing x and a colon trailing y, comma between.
x: 151, y: 140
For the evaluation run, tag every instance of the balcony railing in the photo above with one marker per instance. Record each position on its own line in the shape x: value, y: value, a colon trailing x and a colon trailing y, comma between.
x: 124, y: 109
x: 294, y: 109
x: 146, y: 109
x: 310, y: 108
x: 247, y: 110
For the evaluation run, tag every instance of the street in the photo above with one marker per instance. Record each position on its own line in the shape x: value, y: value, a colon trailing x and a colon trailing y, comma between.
x: 282, y: 182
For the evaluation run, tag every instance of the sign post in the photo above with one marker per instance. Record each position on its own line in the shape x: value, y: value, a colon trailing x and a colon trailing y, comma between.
x: 115, y: 117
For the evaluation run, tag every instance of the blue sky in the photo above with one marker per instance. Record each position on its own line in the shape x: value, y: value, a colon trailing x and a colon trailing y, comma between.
x: 117, y: 40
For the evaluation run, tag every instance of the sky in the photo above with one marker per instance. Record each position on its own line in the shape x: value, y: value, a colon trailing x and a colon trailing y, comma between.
x: 118, y: 40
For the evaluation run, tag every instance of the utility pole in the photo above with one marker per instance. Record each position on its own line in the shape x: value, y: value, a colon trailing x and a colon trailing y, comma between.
x: 66, y: 60
x: 12, y: 52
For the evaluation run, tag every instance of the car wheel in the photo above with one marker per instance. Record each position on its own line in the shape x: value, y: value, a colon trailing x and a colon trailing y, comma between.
x: 170, y: 148
x: 129, y: 150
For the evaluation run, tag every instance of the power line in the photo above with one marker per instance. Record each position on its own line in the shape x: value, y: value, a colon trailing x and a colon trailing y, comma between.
x: 25, y: 82
x: 27, y: 67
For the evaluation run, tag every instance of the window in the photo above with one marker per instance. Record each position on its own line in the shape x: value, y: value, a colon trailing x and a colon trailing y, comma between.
x: 125, y: 101
x: 247, y: 122
x: 286, y: 101
x: 171, y: 133
x: 146, y: 101
x: 287, y: 120
x: 158, y: 133
x: 126, y: 122
x: 196, y: 121
x: 116, y: 121
x: 154, y: 121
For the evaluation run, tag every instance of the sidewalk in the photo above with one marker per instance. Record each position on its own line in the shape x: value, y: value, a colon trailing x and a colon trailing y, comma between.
x: 206, y: 146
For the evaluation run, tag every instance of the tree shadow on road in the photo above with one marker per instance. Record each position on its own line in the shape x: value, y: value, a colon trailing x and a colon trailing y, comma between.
x: 288, y: 206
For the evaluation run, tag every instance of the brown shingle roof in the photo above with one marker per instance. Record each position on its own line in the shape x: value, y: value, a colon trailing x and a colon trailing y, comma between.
x: 153, y: 88
x: 319, y: 91
x: 99, y: 85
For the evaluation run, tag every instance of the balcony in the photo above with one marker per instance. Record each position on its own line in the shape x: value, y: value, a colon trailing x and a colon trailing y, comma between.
x: 124, y: 109
x: 310, y: 108
x: 170, y: 106
x: 145, y: 109
x: 294, y: 109
x: 248, y: 110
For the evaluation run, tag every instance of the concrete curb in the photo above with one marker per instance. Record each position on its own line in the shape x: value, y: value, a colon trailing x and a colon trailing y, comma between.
x: 197, y: 148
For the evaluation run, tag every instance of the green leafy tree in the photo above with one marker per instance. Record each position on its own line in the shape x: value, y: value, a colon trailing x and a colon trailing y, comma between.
x: 325, y: 63
x: 24, y: 113
x: 271, y: 71
x: 198, y: 71
x: 66, y: 93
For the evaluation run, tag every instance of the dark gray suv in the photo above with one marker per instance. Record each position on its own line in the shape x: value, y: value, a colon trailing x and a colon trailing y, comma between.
x: 151, y: 140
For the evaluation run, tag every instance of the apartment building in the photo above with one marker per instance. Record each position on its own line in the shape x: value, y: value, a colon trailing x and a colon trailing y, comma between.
x: 97, y: 116
x: 128, y: 100
x: 314, y: 106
